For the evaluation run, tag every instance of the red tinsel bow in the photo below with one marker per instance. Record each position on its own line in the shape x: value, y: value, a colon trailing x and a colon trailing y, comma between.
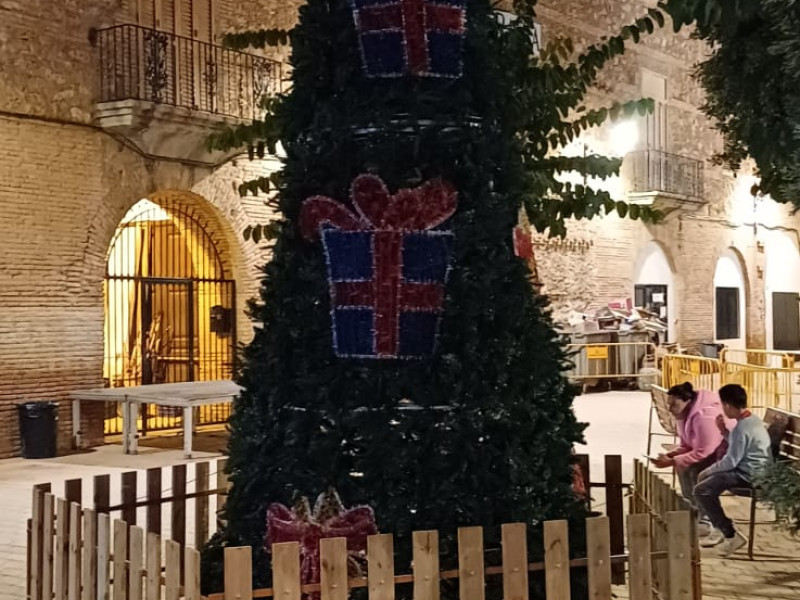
x: 424, y: 207
x: 329, y: 519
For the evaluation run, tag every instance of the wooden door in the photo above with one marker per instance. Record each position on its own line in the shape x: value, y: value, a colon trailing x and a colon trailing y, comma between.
x: 786, y: 320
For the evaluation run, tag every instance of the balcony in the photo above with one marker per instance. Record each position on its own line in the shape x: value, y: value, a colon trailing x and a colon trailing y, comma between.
x: 665, y: 181
x: 165, y: 92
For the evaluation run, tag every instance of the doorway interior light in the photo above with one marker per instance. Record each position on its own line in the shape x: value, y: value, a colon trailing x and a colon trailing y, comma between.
x: 624, y: 137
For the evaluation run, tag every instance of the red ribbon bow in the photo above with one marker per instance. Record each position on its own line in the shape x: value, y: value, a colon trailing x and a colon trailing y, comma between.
x: 329, y: 519
x: 424, y: 207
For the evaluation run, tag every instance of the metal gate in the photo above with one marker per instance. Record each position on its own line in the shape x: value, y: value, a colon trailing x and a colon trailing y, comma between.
x: 169, y: 310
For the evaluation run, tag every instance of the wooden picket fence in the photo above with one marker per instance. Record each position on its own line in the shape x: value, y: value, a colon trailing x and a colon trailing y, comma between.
x: 78, y: 543
x: 86, y: 556
x: 653, y: 497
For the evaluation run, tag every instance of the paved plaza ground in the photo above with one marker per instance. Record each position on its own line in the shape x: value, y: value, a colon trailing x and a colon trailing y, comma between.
x: 618, y: 425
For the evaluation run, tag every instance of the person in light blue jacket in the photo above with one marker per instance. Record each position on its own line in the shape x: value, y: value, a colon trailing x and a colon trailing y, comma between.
x: 749, y: 450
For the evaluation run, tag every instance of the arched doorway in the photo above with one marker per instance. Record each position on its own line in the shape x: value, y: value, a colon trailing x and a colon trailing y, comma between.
x: 654, y: 286
x: 169, y: 306
x: 730, y: 313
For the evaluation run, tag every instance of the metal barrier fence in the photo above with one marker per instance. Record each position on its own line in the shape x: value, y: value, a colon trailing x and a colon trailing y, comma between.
x: 701, y: 372
x: 605, y: 361
x: 770, y: 378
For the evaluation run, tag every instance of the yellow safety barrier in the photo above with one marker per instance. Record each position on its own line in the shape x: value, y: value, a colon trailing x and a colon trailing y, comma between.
x: 769, y: 377
x: 761, y: 358
x: 701, y: 372
x: 606, y: 361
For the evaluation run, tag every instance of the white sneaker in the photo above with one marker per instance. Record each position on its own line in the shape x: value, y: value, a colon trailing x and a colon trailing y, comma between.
x: 712, y: 539
x: 704, y: 529
x: 731, y: 545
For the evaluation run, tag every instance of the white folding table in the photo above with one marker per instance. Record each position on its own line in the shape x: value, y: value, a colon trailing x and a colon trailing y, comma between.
x: 186, y: 396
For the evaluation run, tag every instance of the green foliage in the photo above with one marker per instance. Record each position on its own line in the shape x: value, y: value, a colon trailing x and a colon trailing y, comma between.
x: 482, y: 433
x: 780, y: 487
x: 752, y: 80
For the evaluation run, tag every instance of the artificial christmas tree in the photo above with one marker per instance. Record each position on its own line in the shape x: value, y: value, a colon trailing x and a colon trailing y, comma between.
x: 402, y: 357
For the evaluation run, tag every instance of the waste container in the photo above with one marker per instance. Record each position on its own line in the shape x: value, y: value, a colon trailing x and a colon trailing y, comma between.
x: 710, y: 349
x: 632, y: 354
x: 598, y: 361
x: 37, y: 429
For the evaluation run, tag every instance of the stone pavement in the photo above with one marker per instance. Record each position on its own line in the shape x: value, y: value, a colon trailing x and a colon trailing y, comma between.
x: 618, y: 426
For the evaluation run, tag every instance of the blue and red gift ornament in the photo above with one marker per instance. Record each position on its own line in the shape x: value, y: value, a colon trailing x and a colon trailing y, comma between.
x: 388, y: 264
x: 424, y: 38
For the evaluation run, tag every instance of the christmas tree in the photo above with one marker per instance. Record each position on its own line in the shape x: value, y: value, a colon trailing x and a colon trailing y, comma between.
x: 402, y: 357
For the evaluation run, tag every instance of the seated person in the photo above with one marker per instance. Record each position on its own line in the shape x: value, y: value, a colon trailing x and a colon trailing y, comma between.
x: 749, y: 450
x: 696, y: 412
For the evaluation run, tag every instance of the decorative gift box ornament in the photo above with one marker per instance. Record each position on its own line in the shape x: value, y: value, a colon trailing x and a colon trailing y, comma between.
x: 329, y: 519
x: 388, y: 265
x: 421, y: 37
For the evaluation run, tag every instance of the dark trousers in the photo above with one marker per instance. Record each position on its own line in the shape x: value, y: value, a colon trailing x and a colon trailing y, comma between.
x: 688, y: 480
x: 707, y: 493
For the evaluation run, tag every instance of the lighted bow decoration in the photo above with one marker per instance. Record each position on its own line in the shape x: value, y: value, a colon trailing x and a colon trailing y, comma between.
x: 329, y: 519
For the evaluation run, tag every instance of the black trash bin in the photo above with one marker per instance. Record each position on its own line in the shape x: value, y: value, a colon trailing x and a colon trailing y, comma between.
x: 37, y: 429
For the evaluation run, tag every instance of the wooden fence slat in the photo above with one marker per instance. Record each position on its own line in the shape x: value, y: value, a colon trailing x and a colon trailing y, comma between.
x: 48, y: 530
x: 102, y: 493
x: 380, y: 566
x: 222, y: 483
x: 28, y: 561
x: 426, y: 565
x: 286, y: 570
x: 556, y: 560
x: 74, y: 565
x: 598, y: 547
x: 201, y: 504
x: 172, y: 570
x: 153, y: 567
x: 37, y: 531
x: 89, y: 558
x: 470, y: 563
x: 333, y: 568
x: 584, y: 466
x: 680, y: 555
x: 178, y: 530
x: 61, y: 549
x: 192, y: 570
x: 615, y: 512
x: 120, y: 560
x: 103, y: 555
x: 154, y: 500
x: 73, y: 490
x: 515, y: 561
x: 640, y: 579
x: 135, y: 549
x: 239, y: 573
x: 129, y: 495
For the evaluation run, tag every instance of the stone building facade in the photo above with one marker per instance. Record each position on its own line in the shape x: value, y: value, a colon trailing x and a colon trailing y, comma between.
x: 99, y: 115
x: 730, y: 262
x: 96, y: 116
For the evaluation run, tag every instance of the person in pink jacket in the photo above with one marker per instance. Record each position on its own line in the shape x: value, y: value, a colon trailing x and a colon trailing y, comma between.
x: 696, y: 412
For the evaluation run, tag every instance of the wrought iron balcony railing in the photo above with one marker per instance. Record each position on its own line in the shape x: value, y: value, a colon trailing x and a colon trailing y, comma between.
x: 657, y: 171
x: 139, y: 63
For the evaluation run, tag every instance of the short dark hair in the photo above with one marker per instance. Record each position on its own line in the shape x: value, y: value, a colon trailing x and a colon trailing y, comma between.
x: 684, y: 391
x: 734, y: 395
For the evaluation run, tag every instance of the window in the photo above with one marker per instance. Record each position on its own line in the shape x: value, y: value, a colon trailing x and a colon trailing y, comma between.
x: 727, y: 310
x: 506, y: 18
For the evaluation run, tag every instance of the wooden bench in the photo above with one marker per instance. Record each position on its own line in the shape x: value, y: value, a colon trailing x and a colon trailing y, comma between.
x: 784, y: 432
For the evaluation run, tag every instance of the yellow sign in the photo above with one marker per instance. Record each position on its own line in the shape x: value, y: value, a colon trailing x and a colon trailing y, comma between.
x: 597, y: 352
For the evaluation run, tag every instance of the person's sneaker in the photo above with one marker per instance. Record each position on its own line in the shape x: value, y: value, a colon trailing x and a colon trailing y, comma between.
x: 712, y: 539
x: 704, y: 529
x: 731, y: 545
